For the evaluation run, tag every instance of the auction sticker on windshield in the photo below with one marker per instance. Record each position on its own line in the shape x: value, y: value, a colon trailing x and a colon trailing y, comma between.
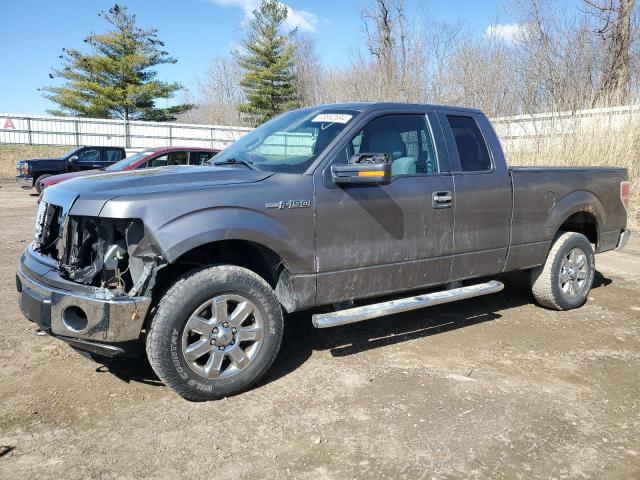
x: 332, y: 117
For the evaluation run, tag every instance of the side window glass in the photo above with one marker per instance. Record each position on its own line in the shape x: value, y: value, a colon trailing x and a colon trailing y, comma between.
x: 406, y: 138
x: 113, y: 155
x: 178, y: 158
x: 91, y: 155
x: 472, y: 149
x: 200, y: 158
x: 356, y: 142
x: 160, y: 161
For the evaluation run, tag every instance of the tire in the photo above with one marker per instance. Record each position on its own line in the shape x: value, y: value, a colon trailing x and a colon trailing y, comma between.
x: 562, y: 283
x: 37, y: 183
x: 200, y: 319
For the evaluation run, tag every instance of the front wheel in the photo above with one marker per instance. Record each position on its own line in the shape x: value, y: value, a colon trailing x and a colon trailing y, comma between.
x: 564, y: 281
x: 38, y: 182
x: 215, y: 333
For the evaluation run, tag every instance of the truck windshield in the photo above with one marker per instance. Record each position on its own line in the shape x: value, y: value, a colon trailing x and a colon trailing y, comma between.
x: 69, y: 153
x: 288, y: 143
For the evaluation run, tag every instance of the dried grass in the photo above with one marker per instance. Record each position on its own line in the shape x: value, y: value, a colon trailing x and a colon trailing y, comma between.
x: 595, y: 144
x: 10, y: 154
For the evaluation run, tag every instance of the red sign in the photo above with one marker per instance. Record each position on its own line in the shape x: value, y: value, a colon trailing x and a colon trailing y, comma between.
x: 8, y: 123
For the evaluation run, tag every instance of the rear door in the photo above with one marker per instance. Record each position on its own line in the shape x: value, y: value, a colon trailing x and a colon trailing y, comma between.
x: 373, y: 240
x: 482, y: 195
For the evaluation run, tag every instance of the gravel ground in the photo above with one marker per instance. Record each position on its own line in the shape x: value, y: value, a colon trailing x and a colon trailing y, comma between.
x: 488, y: 388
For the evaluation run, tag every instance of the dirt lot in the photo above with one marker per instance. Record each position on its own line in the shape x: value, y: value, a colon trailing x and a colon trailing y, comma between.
x: 490, y: 388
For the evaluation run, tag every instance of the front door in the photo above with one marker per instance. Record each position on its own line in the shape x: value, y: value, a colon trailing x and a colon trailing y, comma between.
x: 87, y: 159
x: 381, y: 239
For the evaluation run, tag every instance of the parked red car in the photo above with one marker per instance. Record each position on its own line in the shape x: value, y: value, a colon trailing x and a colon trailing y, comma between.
x: 149, y: 158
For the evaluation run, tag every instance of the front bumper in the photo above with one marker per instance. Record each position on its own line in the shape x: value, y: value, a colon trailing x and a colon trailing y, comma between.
x: 86, y: 317
x: 624, y: 238
x: 24, y: 181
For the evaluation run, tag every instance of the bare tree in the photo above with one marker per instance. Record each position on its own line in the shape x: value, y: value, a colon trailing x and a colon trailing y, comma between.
x: 308, y: 70
x: 614, y: 27
x: 561, y: 58
x: 218, y: 94
x: 385, y: 27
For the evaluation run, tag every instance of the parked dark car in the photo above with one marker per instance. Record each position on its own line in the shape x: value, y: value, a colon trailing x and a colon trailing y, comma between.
x: 32, y: 172
x: 348, y: 206
x: 149, y: 158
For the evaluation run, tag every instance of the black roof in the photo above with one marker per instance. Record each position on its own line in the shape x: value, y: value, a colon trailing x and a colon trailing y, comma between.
x: 362, y: 106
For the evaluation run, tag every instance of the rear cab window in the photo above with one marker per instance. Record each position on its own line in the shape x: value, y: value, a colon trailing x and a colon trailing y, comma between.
x: 472, y: 149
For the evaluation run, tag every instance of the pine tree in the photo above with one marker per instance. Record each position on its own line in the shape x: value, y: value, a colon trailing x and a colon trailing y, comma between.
x: 266, y: 58
x: 116, y: 79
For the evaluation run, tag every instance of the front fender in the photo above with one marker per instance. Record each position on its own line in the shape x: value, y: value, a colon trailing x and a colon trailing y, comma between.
x: 182, y: 234
x: 575, y: 202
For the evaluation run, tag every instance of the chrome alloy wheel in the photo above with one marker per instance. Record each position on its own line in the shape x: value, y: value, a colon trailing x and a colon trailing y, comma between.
x: 222, y: 336
x: 574, y: 271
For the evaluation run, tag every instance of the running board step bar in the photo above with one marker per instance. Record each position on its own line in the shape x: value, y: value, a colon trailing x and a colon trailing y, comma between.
x: 367, y: 312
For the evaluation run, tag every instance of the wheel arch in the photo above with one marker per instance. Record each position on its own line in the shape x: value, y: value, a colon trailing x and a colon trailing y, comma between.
x: 581, y: 212
x: 204, y: 227
x: 253, y: 256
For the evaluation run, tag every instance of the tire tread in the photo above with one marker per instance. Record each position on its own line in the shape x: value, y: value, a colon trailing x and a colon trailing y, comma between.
x: 160, y: 326
x: 543, y: 277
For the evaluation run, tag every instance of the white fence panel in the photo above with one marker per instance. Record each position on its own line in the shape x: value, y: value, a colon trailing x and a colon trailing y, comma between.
x: 50, y: 130
x: 520, y: 132
x: 514, y: 132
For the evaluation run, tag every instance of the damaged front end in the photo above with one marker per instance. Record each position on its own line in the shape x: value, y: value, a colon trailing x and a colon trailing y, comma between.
x: 104, y: 253
x: 87, y: 279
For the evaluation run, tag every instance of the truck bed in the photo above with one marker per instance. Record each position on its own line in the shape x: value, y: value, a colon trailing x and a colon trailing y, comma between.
x: 544, y: 196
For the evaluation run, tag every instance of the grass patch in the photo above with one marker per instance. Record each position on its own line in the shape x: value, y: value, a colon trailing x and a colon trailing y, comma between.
x: 10, y: 154
x: 591, y: 146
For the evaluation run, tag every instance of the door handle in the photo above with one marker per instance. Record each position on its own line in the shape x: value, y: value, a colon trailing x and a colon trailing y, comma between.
x: 442, y: 199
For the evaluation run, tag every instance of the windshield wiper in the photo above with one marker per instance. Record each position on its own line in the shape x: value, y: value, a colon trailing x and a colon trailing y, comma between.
x: 235, y: 161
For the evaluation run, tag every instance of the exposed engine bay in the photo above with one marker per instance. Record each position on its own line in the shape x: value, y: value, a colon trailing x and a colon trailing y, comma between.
x: 95, y: 251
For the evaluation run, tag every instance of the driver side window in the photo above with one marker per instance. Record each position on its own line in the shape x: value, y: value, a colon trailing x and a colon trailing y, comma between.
x: 405, y: 138
x: 160, y: 161
x: 91, y: 155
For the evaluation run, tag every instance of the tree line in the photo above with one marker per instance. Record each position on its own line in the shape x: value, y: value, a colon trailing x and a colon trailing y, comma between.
x: 554, y: 57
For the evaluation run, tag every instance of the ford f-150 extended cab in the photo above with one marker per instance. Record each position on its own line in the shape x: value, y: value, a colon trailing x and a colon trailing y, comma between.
x: 351, y: 205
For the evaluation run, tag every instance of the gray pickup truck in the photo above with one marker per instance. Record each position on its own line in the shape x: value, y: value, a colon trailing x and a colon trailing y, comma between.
x: 350, y: 206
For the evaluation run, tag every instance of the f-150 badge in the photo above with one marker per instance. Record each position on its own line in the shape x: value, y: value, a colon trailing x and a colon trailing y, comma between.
x: 289, y: 204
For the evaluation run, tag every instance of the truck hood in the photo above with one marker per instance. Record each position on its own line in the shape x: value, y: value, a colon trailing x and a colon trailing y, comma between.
x: 96, y: 190
x: 43, y: 160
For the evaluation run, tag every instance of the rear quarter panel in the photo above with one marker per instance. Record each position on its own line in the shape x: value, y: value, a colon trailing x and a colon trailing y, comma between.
x: 545, y: 197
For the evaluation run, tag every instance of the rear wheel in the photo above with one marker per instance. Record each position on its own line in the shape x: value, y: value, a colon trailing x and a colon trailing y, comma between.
x: 564, y: 281
x: 38, y: 183
x: 215, y: 333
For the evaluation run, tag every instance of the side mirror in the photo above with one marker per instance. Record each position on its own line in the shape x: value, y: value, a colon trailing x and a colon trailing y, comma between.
x: 365, y: 169
x: 73, y: 159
